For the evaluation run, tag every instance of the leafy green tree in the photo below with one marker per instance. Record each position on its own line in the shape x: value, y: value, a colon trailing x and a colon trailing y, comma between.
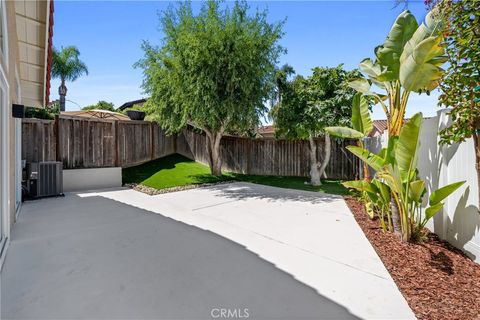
x: 308, y: 105
x: 460, y: 84
x: 281, y: 81
x: 67, y: 67
x: 101, y: 105
x: 214, y: 70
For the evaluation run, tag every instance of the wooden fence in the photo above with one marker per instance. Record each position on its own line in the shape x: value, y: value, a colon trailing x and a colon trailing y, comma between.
x: 92, y: 143
x: 270, y: 156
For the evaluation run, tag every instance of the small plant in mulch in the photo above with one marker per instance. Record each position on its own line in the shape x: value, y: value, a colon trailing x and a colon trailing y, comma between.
x: 438, y: 280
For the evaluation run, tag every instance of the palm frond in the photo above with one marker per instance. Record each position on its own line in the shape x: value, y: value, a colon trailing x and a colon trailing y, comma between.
x: 66, y: 64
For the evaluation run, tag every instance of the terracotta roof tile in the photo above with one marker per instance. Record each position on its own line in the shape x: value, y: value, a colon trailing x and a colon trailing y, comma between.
x: 266, y: 129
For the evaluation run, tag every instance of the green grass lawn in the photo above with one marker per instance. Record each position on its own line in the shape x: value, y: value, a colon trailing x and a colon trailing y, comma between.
x: 328, y: 185
x: 176, y: 170
x: 171, y: 171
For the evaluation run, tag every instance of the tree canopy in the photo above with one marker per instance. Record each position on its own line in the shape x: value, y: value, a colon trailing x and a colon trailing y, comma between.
x: 459, y: 83
x: 213, y: 70
x: 100, y: 105
x: 308, y: 105
x: 66, y: 64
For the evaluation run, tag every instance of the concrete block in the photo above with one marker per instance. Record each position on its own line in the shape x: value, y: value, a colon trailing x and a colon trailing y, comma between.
x: 91, y: 179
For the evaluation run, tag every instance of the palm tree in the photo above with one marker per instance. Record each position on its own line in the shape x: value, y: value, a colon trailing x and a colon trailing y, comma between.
x: 281, y: 80
x: 67, y: 67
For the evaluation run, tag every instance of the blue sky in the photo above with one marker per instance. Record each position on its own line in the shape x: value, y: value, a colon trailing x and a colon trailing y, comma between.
x: 317, y: 33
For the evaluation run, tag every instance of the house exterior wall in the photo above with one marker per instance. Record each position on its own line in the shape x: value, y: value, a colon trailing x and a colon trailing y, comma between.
x: 9, y: 65
x: 23, y: 65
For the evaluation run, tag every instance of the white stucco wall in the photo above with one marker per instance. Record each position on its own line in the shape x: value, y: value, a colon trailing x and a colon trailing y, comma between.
x: 91, y: 179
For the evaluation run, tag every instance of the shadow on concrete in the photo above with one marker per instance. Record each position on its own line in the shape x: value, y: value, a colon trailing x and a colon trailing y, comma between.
x: 245, y: 190
x: 97, y: 258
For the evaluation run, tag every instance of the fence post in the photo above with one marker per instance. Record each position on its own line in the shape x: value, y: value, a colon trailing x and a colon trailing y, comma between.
x: 58, y: 155
x: 249, y: 144
x: 152, y: 144
x: 115, y: 136
x: 175, y: 137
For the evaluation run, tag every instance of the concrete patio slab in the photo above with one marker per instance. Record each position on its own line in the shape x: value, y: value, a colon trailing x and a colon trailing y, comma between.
x: 281, y: 254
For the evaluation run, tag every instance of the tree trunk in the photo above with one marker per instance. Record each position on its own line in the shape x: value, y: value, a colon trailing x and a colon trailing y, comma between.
x: 213, y: 151
x: 395, y: 212
x: 326, y: 156
x: 314, y: 164
x: 317, y: 169
x: 476, y: 141
x: 62, y: 91
x: 366, y: 173
x: 396, y: 221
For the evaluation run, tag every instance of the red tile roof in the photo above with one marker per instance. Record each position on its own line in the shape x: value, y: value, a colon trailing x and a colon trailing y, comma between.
x: 379, y: 126
x: 266, y: 129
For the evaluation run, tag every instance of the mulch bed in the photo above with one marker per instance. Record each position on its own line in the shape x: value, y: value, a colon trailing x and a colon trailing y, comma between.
x: 437, y: 280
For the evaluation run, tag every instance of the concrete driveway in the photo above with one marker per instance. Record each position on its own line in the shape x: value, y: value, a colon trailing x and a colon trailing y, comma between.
x: 232, y: 251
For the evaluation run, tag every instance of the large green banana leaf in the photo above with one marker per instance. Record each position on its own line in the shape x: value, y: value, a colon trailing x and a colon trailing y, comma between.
x: 432, y: 210
x: 389, y: 154
x: 438, y: 195
x: 416, y: 190
x: 371, y: 159
x: 388, y: 55
x: 407, y: 145
x: 384, y: 190
x: 420, y: 71
x: 373, y: 71
x: 361, y: 120
x: 369, y: 68
x: 344, y: 132
x: 431, y: 27
x: 389, y: 178
x: 362, y: 85
x: 361, y: 185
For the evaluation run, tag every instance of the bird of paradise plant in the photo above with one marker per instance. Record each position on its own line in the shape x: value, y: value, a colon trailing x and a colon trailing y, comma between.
x: 396, y: 167
x: 408, y: 61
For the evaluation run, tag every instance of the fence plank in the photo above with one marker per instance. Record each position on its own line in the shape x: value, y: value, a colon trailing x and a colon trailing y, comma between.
x: 269, y: 156
x: 89, y: 143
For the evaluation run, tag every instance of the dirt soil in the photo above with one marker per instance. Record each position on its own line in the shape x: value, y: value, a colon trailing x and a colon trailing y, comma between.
x: 437, y: 280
